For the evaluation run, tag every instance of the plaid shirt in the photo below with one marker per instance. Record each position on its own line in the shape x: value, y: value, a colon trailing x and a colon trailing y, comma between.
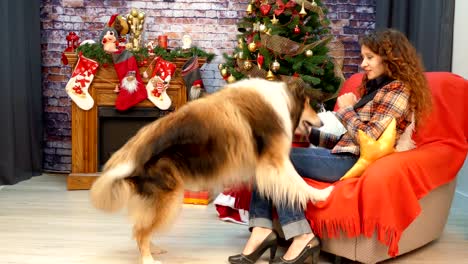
x: 391, y: 101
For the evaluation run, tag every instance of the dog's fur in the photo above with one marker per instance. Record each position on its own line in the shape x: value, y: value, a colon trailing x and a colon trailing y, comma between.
x: 240, y: 133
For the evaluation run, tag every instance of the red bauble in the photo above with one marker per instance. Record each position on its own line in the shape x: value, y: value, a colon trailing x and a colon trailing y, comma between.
x: 297, y: 30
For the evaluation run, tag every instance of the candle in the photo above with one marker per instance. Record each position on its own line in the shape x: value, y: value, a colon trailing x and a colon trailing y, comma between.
x: 162, y: 41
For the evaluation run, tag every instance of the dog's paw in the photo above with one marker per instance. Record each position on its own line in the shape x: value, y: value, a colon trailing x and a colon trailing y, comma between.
x: 149, y: 260
x: 155, y: 250
x: 322, y: 195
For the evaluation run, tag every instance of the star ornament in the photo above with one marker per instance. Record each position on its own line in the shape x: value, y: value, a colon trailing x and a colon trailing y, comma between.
x: 372, y: 150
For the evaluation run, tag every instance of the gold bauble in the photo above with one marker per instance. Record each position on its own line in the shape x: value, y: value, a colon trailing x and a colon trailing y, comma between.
x: 141, y: 16
x: 270, y: 76
x: 252, y: 46
x: 247, y: 65
x: 231, y: 79
x: 309, y: 53
x: 224, y: 72
x: 275, y: 66
x: 134, y: 12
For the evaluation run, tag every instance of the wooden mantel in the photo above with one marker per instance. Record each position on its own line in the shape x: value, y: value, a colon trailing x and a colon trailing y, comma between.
x: 84, y: 167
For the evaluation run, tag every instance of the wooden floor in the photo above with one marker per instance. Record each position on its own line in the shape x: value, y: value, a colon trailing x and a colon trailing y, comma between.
x: 41, y: 222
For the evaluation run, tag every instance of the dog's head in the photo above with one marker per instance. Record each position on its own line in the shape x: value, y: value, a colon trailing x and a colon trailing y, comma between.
x: 303, y: 115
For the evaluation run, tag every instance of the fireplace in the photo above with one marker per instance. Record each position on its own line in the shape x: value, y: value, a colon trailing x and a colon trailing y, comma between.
x: 103, y: 125
x: 115, y: 128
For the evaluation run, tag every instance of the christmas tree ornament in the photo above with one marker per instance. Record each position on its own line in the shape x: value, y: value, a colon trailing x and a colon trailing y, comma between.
x: 314, y: 3
x: 224, y: 72
x: 265, y: 9
x: 252, y: 47
x: 275, y: 66
x: 159, y: 82
x: 270, y: 76
x: 249, y: 10
x: 260, y: 60
x: 192, y: 77
x: 220, y: 66
x: 274, y: 20
x: 247, y: 65
x: 262, y: 28
x: 231, y: 79
x: 309, y: 53
x: 240, y: 43
x: 82, y: 77
x: 240, y: 55
x: 297, y: 30
x: 303, y: 12
x: 256, y: 27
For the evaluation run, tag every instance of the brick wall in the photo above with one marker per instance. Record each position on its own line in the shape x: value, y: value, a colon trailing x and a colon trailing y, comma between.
x: 212, y: 25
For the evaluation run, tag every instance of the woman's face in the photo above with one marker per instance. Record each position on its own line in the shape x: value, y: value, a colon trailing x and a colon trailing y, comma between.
x: 371, y: 63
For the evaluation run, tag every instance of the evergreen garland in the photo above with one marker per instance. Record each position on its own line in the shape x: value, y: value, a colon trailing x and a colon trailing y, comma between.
x: 96, y: 52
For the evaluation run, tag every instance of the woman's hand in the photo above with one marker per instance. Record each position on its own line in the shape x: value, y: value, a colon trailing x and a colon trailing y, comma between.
x: 345, y: 100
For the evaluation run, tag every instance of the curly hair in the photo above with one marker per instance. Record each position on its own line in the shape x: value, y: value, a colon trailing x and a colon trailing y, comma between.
x: 402, y: 63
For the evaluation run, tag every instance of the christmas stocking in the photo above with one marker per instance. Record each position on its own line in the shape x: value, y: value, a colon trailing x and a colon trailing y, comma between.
x: 192, y: 78
x: 82, y: 76
x: 157, y: 85
x: 131, y: 88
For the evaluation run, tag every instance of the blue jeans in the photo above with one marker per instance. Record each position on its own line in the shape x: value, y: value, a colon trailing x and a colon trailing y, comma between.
x: 314, y: 163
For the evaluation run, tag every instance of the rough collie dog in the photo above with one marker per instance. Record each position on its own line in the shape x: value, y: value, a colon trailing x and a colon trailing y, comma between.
x: 241, y: 133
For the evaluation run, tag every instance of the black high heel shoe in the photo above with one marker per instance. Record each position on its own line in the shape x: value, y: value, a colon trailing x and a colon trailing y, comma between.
x: 312, y: 249
x: 270, y: 242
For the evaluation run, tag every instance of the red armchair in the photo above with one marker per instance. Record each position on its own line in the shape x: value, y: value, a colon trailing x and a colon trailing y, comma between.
x: 402, y: 201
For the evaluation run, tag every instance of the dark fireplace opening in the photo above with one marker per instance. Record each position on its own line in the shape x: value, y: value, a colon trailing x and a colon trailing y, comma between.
x: 115, y: 128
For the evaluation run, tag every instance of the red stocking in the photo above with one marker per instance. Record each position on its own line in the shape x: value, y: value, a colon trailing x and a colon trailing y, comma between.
x: 157, y: 85
x: 82, y: 76
x: 131, y: 87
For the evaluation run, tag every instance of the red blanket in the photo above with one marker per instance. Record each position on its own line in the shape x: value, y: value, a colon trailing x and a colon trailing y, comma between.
x: 385, y: 198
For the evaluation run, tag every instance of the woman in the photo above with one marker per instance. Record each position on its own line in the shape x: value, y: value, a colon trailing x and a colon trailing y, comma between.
x: 394, y: 86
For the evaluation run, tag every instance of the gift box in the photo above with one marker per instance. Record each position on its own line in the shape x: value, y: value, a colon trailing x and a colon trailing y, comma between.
x: 197, y: 197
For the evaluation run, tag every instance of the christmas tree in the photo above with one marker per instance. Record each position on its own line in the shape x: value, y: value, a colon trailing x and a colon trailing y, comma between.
x: 284, y: 40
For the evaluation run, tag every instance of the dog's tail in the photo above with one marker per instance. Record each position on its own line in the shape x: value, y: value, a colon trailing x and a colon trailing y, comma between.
x: 110, y: 192
x: 284, y: 186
